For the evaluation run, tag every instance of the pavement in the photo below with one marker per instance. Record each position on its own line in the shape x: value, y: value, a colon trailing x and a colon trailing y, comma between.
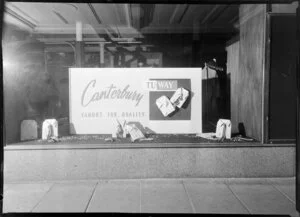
x: 203, y: 195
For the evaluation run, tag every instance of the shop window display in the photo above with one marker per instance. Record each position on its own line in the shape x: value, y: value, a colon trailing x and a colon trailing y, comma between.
x: 39, y: 56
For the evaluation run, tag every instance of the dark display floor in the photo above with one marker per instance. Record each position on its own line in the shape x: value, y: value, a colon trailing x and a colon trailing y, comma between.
x: 156, y: 138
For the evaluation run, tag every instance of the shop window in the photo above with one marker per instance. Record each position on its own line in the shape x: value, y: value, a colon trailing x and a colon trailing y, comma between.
x: 44, y: 42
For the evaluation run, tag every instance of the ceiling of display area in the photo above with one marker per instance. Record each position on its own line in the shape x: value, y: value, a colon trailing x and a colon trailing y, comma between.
x: 120, y: 20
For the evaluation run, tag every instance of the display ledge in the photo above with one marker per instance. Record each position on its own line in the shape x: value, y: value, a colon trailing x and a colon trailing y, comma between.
x: 103, y: 141
x: 56, y: 146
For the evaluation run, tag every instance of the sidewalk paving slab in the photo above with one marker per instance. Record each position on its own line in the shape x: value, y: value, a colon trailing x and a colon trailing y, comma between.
x: 263, y: 199
x: 164, y: 197
x: 116, y: 196
x: 286, y: 186
x: 288, y: 190
x: 214, y: 198
x: 67, y: 197
x: 23, y: 197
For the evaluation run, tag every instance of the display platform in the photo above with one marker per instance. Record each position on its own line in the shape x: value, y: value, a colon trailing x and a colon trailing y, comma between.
x: 152, y: 139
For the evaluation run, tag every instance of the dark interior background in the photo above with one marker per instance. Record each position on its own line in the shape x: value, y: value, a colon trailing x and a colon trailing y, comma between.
x: 283, y: 82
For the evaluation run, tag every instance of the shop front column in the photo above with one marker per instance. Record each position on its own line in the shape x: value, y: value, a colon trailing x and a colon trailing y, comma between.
x: 298, y: 114
x: 101, y: 54
x: 79, y: 46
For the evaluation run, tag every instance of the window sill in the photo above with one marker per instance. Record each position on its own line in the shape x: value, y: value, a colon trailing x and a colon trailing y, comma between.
x: 65, y: 146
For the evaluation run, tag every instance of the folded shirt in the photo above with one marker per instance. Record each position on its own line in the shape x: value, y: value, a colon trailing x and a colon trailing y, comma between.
x: 179, y: 97
x: 165, y: 105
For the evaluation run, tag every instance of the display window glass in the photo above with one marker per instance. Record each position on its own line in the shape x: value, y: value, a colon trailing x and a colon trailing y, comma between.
x: 148, y: 73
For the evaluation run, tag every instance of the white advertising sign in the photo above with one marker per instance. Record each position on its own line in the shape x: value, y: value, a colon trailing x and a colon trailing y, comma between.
x: 101, y: 96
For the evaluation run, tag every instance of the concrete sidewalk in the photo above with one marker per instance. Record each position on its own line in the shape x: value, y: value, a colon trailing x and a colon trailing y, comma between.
x: 235, y: 196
